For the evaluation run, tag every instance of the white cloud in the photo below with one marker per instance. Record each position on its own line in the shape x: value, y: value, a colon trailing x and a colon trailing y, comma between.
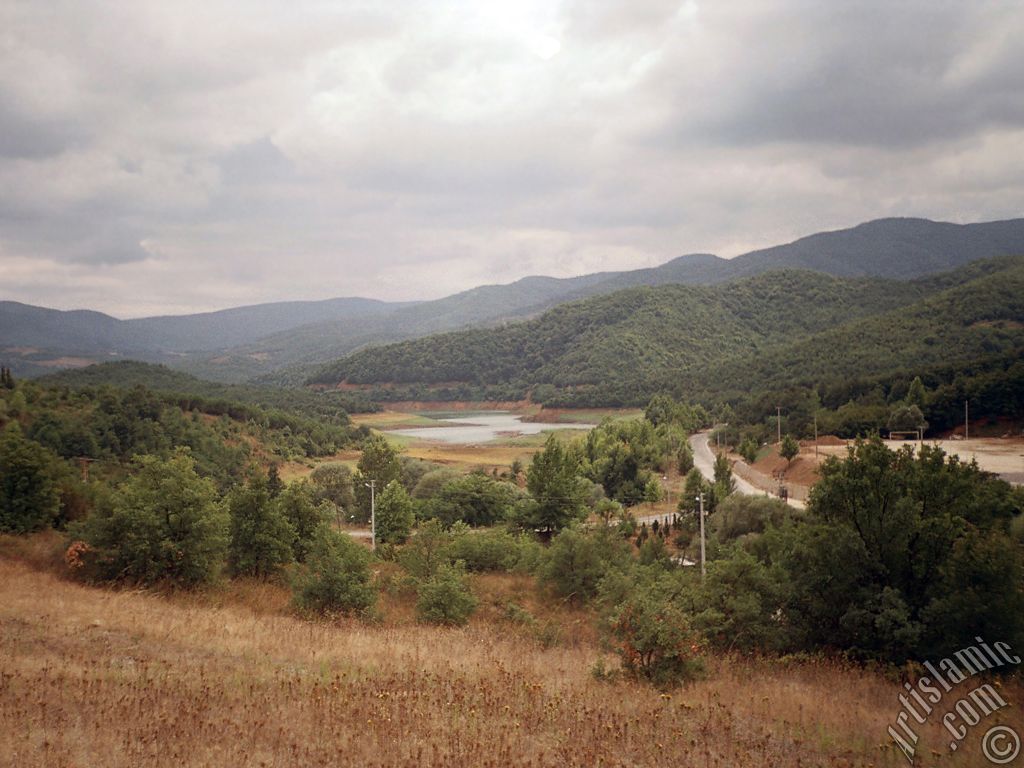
x: 161, y: 157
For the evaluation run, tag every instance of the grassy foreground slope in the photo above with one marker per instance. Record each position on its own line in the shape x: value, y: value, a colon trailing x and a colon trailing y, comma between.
x: 621, y: 348
x: 128, y: 678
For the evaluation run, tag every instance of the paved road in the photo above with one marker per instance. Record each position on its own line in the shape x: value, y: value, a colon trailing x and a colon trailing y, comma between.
x: 704, y: 460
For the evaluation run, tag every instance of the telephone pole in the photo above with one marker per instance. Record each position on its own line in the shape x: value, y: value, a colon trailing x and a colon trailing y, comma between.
x: 967, y: 422
x: 373, y: 514
x: 778, y: 409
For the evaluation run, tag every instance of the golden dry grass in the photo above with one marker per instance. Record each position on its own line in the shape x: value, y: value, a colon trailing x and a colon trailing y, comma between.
x: 96, y: 677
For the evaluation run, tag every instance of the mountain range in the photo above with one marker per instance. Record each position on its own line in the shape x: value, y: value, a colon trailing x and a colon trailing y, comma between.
x: 774, y: 330
x: 287, y: 341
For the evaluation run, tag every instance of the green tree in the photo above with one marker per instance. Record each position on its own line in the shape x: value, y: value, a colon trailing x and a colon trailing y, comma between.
x: 558, y: 492
x: 906, y: 418
x: 297, y: 504
x: 748, y: 450
x: 694, y: 486
x: 905, y: 556
x: 789, y: 449
x: 741, y: 515
x: 394, y: 514
x: 261, y: 536
x: 916, y: 393
x: 333, y: 483
x: 274, y: 482
x: 379, y: 463
x: 475, y: 499
x: 164, y: 523
x: 723, y: 475
x: 336, y: 577
x: 29, y: 489
x: 684, y: 459
x: 445, y: 597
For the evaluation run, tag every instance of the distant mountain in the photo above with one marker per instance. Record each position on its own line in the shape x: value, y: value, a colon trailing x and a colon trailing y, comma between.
x: 243, y: 325
x: 284, y: 342
x: 897, y: 248
x: 35, y: 340
x: 779, y: 327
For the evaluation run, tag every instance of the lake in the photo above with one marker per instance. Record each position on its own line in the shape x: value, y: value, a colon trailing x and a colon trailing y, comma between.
x: 481, y: 427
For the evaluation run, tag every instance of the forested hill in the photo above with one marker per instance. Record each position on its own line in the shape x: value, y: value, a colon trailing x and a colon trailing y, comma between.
x: 249, y: 342
x: 329, y: 407
x: 621, y: 348
x: 899, y: 248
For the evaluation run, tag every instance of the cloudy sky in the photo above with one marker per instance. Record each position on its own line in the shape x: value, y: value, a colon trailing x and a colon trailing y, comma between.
x: 165, y: 157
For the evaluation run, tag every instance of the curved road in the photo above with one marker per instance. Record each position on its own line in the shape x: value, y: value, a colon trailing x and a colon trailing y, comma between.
x: 704, y: 460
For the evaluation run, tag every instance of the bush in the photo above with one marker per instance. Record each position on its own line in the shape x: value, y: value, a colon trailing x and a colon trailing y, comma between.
x: 445, y: 598
x: 336, y: 579
x: 427, y: 551
x: 735, y: 607
x: 162, y: 524
x: 494, y: 550
x: 738, y: 515
x: 654, y: 640
x: 576, y: 562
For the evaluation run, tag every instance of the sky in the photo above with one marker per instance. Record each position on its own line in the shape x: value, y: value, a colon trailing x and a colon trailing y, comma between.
x: 169, y: 157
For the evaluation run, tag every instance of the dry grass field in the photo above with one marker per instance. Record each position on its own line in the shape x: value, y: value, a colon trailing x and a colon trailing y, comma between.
x: 98, y: 677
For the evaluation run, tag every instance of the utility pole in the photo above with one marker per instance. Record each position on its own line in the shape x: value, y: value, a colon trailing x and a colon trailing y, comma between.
x: 815, y: 437
x: 778, y: 409
x: 373, y: 514
x: 703, y: 563
x: 967, y: 422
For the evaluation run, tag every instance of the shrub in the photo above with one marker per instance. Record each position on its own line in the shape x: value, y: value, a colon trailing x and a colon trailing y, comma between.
x: 445, y: 598
x: 576, y: 562
x: 427, y: 551
x: 735, y: 606
x: 738, y: 515
x: 336, y: 578
x: 654, y: 640
x: 494, y: 550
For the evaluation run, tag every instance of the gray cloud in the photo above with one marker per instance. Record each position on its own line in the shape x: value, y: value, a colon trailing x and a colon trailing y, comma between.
x: 163, y: 157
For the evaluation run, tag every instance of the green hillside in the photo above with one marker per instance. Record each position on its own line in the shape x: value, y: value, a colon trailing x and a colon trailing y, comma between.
x: 331, y: 407
x: 621, y: 348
